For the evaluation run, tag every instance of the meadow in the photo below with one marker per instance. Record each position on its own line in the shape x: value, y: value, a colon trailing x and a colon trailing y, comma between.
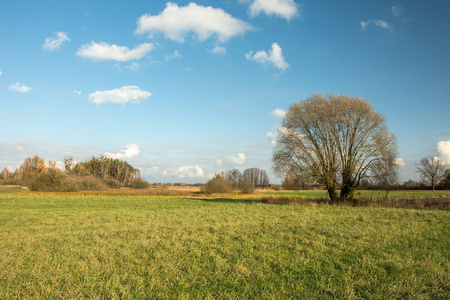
x: 123, y: 246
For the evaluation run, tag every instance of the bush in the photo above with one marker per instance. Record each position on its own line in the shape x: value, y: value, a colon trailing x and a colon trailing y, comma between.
x: 91, y: 183
x: 54, y: 181
x: 140, y: 183
x: 113, y: 183
x: 246, y: 187
x: 217, y: 185
x: 13, y: 181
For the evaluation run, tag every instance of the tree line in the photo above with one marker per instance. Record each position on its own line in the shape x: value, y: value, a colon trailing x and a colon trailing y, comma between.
x: 95, y: 173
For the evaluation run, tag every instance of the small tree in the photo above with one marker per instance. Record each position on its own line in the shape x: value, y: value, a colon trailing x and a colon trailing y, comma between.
x: 32, y: 167
x: 431, y: 170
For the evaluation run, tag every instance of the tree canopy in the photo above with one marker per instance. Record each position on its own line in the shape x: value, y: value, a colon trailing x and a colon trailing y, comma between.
x: 337, y: 141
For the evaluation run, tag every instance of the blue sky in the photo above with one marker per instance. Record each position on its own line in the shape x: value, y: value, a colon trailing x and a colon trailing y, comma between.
x: 185, y: 89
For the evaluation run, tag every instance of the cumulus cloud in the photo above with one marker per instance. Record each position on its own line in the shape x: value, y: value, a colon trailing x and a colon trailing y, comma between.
x: 186, y: 171
x: 443, y: 149
x: 278, y: 113
x: 238, y: 159
x: 176, y: 54
x: 18, y: 87
x: 379, y: 23
x: 281, y: 8
x: 123, y: 95
x: 104, y: 51
x: 128, y: 151
x: 274, y: 58
x: 54, y: 43
x: 177, y: 22
x: 219, y: 50
x: 399, y: 161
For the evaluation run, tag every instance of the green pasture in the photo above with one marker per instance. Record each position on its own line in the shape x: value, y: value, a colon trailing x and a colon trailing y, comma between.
x: 135, y: 247
x: 368, y: 194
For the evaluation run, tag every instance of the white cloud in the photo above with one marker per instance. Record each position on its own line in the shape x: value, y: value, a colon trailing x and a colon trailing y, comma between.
x: 1, y: 73
x: 278, y: 113
x: 186, y: 171
x: 275, y: 57
x: 443, y: 148
x: 219, y: 50
x: 19, y: 88
x: 105, y: 51
x: 399, y: 161
x: 379, y: 23
x: 238, y: 159
x: 54, y: 43
x: 77, y: 92
x: 129, y: 151
x: 176, y: 54
x: 205, y: 22
x: 0, y: 112
x: 133, y: 66
x: 281, y: 8
x: 219, y: 162
x: 123, y: 95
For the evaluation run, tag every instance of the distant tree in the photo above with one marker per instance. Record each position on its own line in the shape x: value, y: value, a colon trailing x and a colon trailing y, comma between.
x: 446, y: 179
x: 431, y: 170
x: 257, y: 177
x: 6, y: 174
x: 297, y: 181
x: 234, y: 175
x: 336, y: 140
x: 32, y: 166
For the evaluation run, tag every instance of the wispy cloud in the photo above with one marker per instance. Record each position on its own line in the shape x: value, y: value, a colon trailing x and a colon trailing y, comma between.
x: 204, y: 21
x: 104, y: 51
x: 77, y: 92
x: 21, y: 88
x: 176, y: 54
x: 219, y: 50
x: 238, y: 158
x: 1, y: 73
x: 274, y: 58
x: 129, y: 151
x: 280, y: 8
x: 378, y: 23
x: 54, y: 43
x: 134, y: 66
x: 396, y: 10
x: 123, y: 95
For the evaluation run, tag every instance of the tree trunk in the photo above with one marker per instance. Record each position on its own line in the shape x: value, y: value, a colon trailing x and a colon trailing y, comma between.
x: 332, y: 194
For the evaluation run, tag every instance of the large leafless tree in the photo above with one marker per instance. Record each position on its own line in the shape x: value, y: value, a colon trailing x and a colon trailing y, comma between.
x: 337, y: 140
x: 431, y: 170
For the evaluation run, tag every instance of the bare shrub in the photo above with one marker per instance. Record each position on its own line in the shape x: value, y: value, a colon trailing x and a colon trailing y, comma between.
x: 246, y: 187
x: 112, y: 183
x: 54, y: 181
x: 92, y: 183
x: 140, y: 183
x: 218, y: 184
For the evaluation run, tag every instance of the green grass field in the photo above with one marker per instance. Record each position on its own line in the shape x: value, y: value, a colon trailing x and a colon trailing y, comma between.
x: 123, y: 247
